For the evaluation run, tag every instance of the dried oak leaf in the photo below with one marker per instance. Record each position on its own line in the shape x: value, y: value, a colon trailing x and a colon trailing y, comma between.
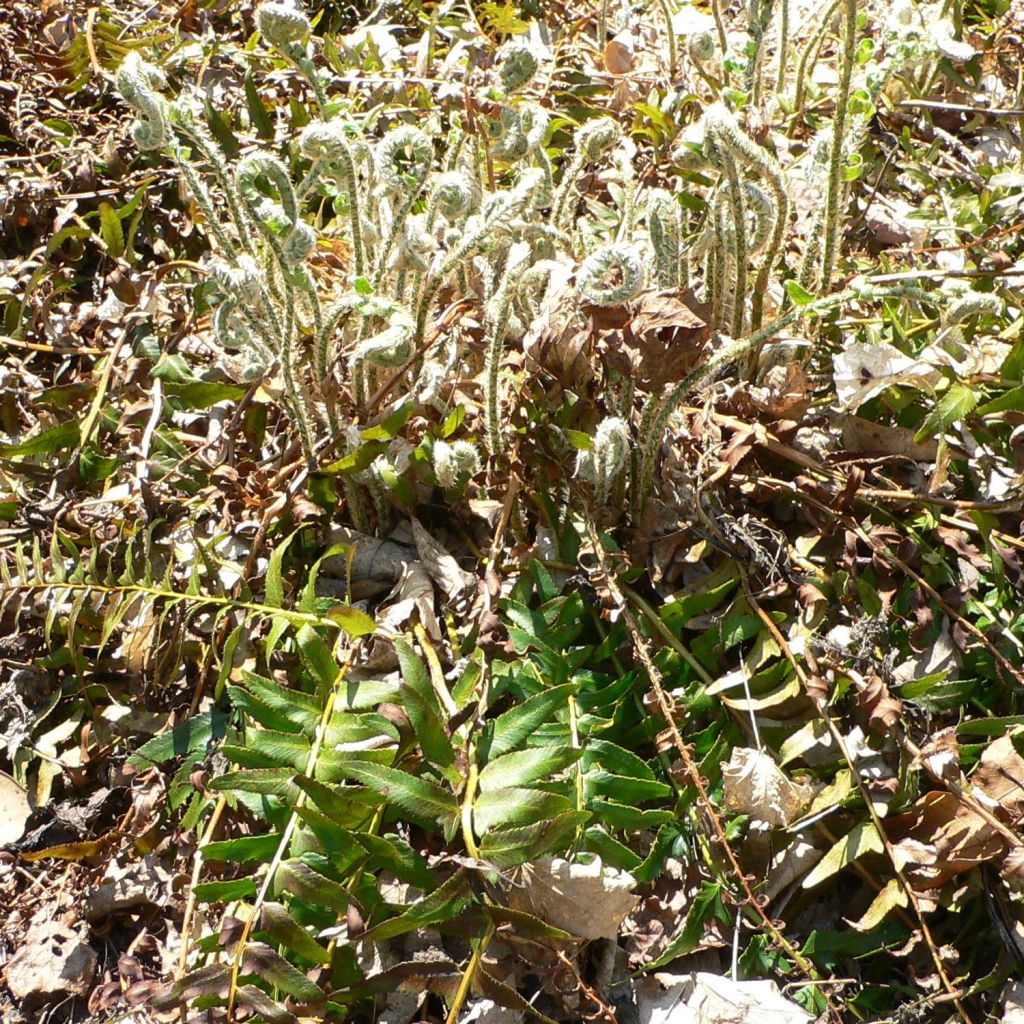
x: 662, y: 337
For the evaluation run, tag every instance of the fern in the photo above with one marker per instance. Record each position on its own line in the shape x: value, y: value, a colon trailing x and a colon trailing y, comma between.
x: 327, y: 774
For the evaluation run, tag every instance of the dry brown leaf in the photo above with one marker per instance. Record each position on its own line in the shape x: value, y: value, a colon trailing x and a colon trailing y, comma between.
x: 372, y: 559
x: 861, y: 435
x: 560, y: 338
x: 788, y: 391
x: 662, y: 339
x: 713, y: 998
x: 962, y: 838
x: 14, y: 810
x: 754, y: 785
x: 1013, y: 1003
x: 1000, y: 776
x: 883, y: 710
x: 145, y: 882
x: 862, y: 370
x: 587, y: 899
x: 52, y: 962
x: 440, y: 565
x: 618, y: 54
x: 890, y: 223
x: 940, y: 755
x: 414, y: 593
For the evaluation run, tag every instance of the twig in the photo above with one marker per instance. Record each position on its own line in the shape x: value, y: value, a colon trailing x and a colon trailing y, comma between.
x: 821, y: 704
x: 90, y: 41
x: 60, y: 350
x: 963, y: 108
x: 692, y: 770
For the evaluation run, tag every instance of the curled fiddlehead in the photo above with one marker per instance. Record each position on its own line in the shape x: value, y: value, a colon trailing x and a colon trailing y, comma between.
x: 611, y: 275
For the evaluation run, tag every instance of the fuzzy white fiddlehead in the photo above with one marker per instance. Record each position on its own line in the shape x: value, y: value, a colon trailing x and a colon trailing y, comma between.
x: 328, y: 141
x: 403, y: 158
x: 724, y: 132
x: 454, y: 461
x: 724, y: 148
x: 592, y: 140
x: 612, y: 275
x: 496, y: 211
x: 701, y: 47
x: 455, y: 195
x: 762, y: 206
x: 239, y: 330
x: 836, y: 185
x: 275, y: 216
x: 138, y: 82
x: 415, y: 246
x: 290, y: 241
x: 282, y: 23
x: 536, y: 121
x: 403, y: 161
x: 971, y: 304
x: 597, y: 137
x: 389, y: 347
x: 507, y: 138
x: 518, y: 66
x: 601, y: 466
x: 665, y: 226
x: 721, y: 277
x: 244, y: 279
x: 497, y: 322
x: 298, y: 243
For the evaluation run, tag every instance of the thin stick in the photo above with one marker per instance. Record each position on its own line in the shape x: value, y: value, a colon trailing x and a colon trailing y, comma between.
x: 690, y: 766
x: 822, y: 705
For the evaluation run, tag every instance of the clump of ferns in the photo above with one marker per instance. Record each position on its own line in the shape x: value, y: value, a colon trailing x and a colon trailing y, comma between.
x: 478, y: 221
x: 419, y: 228
x: 900, y: 43
x: 744, y: 229
x: 413, y: 231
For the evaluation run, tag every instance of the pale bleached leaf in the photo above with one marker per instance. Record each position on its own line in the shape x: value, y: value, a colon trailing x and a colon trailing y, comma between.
x: 754, y: 785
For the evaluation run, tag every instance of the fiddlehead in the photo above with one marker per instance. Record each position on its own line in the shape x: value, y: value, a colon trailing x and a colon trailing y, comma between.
x: 612, y: 275
x: 138, y: 82
x: 664, y: 224
x: 601, y: 465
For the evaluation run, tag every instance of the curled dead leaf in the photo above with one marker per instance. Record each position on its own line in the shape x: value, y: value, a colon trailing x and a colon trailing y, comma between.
x: 883, y: 710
